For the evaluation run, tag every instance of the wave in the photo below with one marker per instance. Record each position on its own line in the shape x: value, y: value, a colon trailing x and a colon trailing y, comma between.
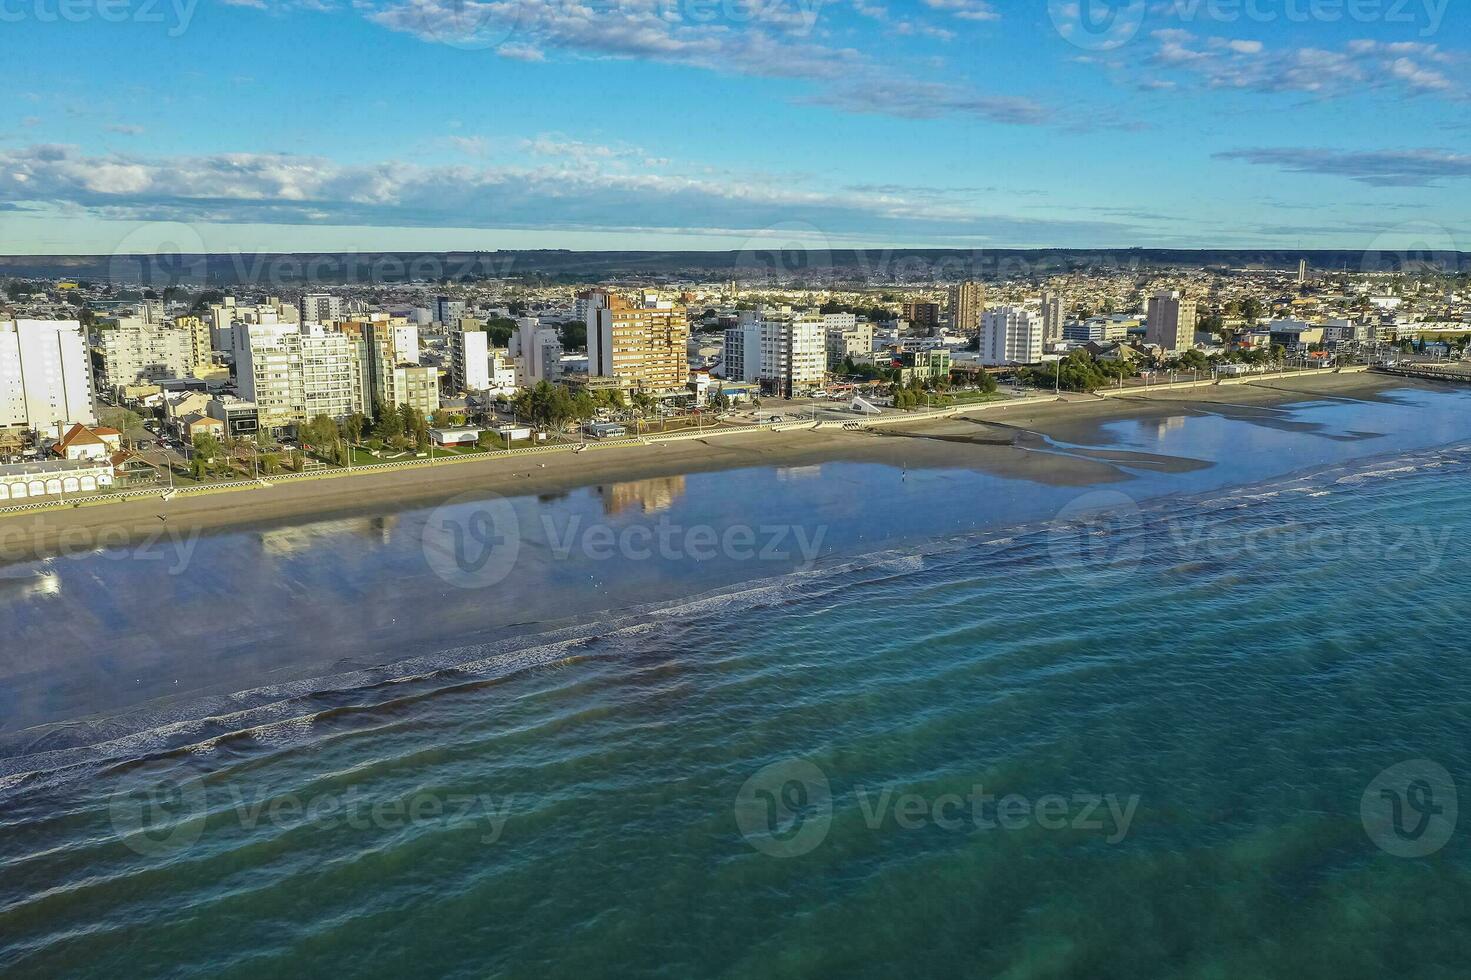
x: 284, y: 715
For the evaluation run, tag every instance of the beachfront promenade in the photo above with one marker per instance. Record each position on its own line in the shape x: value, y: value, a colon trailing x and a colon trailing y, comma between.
x: 856, y: 422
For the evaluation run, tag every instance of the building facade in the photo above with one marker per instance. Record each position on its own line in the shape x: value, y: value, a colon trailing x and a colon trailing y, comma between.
x: 786, y: 352
x: 923, y: 316
x: 135, y: 350
x: 293, y: 373
x: 469, y: 356
x: 45, y: 374
x: 320, y: 308
x: 645, y: 343
x: 1011, y: 335
x: 967, y: 300
x: 1051, y: 316
x: 1171, y: 321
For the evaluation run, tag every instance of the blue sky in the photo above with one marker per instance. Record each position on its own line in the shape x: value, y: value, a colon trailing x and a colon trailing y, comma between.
x: 283, y: 125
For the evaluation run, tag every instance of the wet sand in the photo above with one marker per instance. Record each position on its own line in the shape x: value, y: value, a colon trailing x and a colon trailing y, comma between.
x: 1012, y: 441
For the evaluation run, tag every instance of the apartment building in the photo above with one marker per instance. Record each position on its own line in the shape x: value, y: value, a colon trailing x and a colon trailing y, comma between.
x: 853, y: 341
x: 783, y: 350
x: 136, y: 350
x: 537, y: 351
x: 1052, y: 315
x: 1011, y: 335
x: 966, y: 301
x: 469, y: 356
x: 644, y: 343
x: 320, y: 308
x: 1171, y: 321
x: 923, y: 316
x: 45, y: 375
x: 295, y: 372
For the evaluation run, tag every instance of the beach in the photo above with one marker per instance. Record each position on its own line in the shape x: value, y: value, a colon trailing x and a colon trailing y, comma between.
x: 1005, y: 440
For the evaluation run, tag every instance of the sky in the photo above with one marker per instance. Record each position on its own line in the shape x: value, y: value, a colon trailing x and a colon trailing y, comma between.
x: 365, y: 125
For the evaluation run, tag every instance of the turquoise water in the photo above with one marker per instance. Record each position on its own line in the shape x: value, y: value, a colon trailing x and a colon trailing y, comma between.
x: 1183, y: 706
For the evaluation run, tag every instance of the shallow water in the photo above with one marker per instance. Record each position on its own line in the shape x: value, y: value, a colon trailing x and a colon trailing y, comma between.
x: 1185, y: 701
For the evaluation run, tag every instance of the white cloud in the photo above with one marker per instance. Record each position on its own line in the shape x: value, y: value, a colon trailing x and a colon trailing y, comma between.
x: 560, y: 195
x: 1379, y: 168
x: 1359, y: 66
x: 965, y: 9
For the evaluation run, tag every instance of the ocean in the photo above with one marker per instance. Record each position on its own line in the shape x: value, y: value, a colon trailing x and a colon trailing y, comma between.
x: 842, y: 720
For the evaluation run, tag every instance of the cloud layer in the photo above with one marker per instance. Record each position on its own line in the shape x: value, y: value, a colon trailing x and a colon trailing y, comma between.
x: 576, y: 188
x: 1379, y: 168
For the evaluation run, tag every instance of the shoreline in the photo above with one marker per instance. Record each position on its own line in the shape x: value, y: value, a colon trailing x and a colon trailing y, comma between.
x: 1017, y: 441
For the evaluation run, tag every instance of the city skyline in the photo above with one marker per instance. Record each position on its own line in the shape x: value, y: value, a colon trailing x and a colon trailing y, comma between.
x: 939, y: 123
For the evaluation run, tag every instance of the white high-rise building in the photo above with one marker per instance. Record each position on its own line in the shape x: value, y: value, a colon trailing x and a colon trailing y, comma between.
x: 138, y: 349
x: 785, y: 351
x: 537, y: 350
x: 469, y: 356
x: 1171, y: 321
x: 45, y: 374
x: 320, y: 308
x: 1010, y: 335
x: 294, y: 373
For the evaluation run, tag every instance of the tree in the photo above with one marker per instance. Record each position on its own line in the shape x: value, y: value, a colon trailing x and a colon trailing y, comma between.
x: 207, y: 448
x: 574, y: 335
x: 121, y: 419
x: 500, y: 330
x: 354, y: 426
x: 319, y: 433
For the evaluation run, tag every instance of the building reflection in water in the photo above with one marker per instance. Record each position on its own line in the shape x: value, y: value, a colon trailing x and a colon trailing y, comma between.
x: 285, y: 542
x: 652, y: 496
x: 1164, y: 426
x: 27, y: 584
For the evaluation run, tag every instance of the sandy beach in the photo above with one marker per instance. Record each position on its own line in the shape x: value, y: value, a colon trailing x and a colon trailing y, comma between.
x: 1014, y: 441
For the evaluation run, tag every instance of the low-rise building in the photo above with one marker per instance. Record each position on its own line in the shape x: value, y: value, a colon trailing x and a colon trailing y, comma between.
x: 22, y: 482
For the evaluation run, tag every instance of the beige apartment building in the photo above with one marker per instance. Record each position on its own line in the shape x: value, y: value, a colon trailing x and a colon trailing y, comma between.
x: 644, y: 343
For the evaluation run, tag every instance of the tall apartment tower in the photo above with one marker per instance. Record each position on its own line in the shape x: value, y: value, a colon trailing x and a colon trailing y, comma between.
x: 388, y: 350
x: 295, y: 372
x: 1302, y: 272
x: 469, y: 356
x: 45, y: 374
x: 1171, y: 321
x: 1051, y: 316
x: 1011, y: 335
x: 786, y: 352
x: 967, y: 300
x: 320, y: 308
x: 644, y: 343
x: 537, y: 351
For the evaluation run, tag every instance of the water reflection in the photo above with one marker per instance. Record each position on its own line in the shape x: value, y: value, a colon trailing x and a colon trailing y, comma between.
x: 288, y: 542
x: 651, y: 496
